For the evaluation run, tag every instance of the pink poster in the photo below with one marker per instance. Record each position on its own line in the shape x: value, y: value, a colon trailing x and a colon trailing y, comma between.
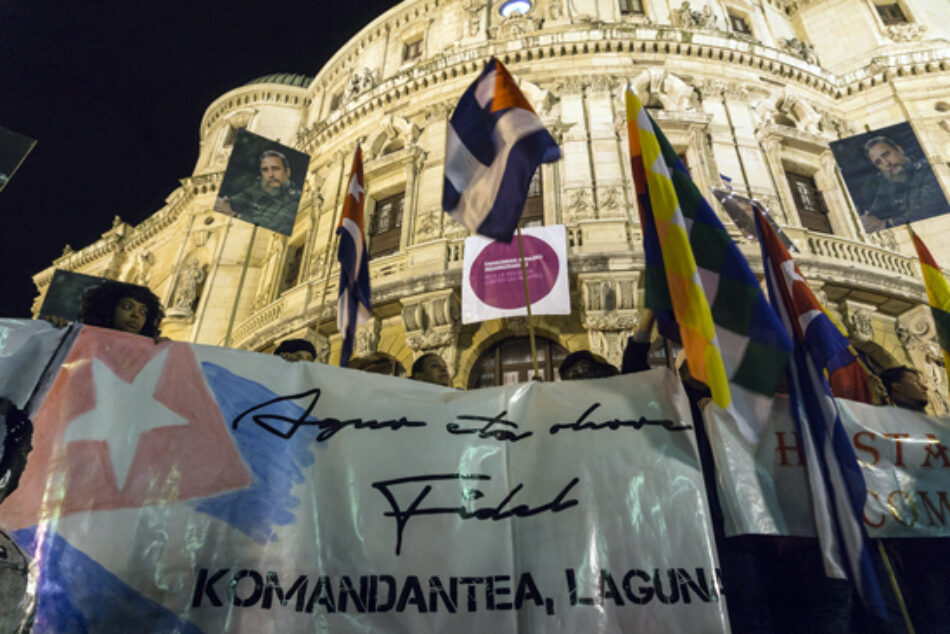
x: 493, y: 282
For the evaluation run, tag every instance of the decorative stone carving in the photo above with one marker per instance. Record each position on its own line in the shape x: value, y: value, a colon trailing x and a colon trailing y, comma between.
x: 428, y: 223
x: 610, y: 200
x: 437, y: 311
x: 515, y: 25
x: 736, y: 91
x: 541, y: 99
x: 603, y: 83
x: 190, y: 284
x: 67, y: 250
x: 440, y: 112
x: 143, y: 263
x: 395, y: 133
x: 688, y: 18
x: 822, y: 296
x: 907, y: 32
x: 935, y: 377
x: 571, y: 85
x: 236, y: 121
x: 580, y: 206
x: 475, y: 10
x: 711, y: 89
x: 559, y: 128
x: 657, y: 85
x: 835, y: 125
x: 903, y: 334
x: 367, y: 338
x: 858, y: 322
x: 361, y: 81
x: 789, y: 104
x: 918, y: 334
x: 799, y: 48
x: 612, y: 321
x: 517, y: 325
x: 432, y: 324
x: 610, y: 314
x: 884, y: 238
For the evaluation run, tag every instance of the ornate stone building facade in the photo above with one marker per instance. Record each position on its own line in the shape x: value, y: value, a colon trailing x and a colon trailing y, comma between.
x: 753, y: 90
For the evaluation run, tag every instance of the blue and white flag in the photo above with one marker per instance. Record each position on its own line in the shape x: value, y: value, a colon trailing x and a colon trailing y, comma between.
x: 495, y: 143
x: 354, y: 306
x: 838, y: 490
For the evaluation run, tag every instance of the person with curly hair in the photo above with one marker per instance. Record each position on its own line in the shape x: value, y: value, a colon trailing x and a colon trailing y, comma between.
x: 123, y: 307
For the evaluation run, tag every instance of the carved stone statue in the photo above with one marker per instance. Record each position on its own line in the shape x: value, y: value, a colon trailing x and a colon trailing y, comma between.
x: 143, y: 263
x: 859, y: 324
x: 799, y: 48
x: 688, y: 18
x: 361, y: 81
x: 189, y: 288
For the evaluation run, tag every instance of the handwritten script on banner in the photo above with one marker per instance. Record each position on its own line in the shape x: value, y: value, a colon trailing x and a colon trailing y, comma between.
x: 903, y: 455
x: 189, y: 488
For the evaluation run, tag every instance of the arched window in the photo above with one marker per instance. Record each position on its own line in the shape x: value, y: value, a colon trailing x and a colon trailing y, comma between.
x: 509, y: 361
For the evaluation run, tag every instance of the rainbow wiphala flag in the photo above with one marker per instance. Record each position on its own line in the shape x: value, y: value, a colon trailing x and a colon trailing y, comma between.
x: 697, y: 279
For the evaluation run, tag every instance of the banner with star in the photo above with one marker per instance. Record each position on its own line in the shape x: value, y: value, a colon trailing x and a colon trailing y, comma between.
x: 176, y: 487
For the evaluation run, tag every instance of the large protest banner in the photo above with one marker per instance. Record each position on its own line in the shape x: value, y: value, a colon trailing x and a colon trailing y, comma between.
x: 904, y: 456
x: 180, y: 487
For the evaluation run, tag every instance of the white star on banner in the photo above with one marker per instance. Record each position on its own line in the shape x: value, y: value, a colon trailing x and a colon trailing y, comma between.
x: 123, y: 412
x: 354, y: 189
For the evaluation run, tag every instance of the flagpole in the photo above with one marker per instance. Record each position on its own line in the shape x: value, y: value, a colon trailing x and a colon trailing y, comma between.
x: 897, y: 590
x: 237, y: 296
x: 326, y: 276
x: 527, y: 302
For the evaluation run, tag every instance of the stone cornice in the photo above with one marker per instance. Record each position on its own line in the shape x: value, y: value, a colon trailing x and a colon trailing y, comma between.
x: 644, y: 41
x: 120, y: 238
x: 110, y: 242
x: 792, y: 137
x: 253, y: 95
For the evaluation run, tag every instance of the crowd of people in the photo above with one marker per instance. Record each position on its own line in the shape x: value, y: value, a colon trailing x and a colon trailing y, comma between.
x: 774, y: 584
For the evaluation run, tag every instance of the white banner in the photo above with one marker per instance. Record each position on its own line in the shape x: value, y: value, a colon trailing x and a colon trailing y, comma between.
x: 25, y: 347
x: 904, y: 456
x: 493, y: 284
x: 178, y: 487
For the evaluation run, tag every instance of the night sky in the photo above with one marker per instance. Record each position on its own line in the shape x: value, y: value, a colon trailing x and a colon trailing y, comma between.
x: 114, y: 92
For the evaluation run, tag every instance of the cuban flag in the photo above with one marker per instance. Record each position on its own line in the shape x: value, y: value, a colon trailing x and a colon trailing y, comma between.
x: 495, y: 143
x: 128, y: 433
x: 835, y: 480
x: 354, y: 307
x: 138, y: 478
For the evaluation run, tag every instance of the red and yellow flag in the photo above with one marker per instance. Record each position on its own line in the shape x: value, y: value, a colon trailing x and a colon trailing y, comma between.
x: 938, y: 294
